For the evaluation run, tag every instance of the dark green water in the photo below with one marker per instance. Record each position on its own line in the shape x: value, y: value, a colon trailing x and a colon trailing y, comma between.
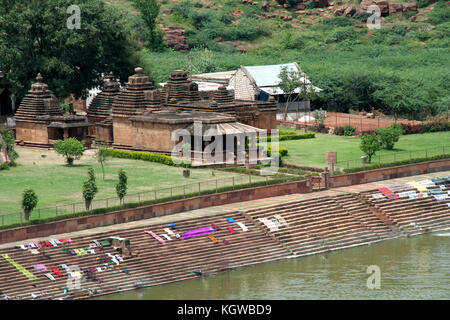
x: 411, y: 268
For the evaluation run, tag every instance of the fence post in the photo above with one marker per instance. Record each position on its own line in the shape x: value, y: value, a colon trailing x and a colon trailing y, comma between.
x: 139, y: 198
x: 154, y: 194
x: 249, y: 179
x: 410, y: 155
x: 233, y: 182
x: 217, y: 190
x: 39, y: 214
x: 184, y: 191
x: 348, y: 164
x: 267, y: 180
x: 426, y: 153
x: 3, y: 220
x: 21, y: 218
x: 171, y: 191
x: 56, y: 208
x: 199, y: 188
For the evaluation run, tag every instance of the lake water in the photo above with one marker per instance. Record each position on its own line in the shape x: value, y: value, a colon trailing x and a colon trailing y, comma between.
x: 410, y: 268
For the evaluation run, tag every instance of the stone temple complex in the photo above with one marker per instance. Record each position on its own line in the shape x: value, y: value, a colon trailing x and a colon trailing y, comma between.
x: 40, y: 121
x: 139, y: 116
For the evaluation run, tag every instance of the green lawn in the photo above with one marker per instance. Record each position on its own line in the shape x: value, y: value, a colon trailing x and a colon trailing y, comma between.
x: 311, y: 152
x: 55, y: 183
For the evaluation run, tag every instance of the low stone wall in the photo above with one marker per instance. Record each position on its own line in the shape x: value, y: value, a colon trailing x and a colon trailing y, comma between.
x: 389, y: 173
x: 146, y: 212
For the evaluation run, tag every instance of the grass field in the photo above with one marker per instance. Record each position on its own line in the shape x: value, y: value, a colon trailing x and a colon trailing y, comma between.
x: 55, y: 183
x: 311, y: 152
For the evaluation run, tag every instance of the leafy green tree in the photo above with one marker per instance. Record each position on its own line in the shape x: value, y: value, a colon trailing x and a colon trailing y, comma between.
x: 388, y: 137
x: 89, y: 188
x: 121, y: 186
x: 370, y: 144
x: 34, y: 37
x: 102, y: 155
x: 29, y: 202
x: 290, y: 82
x: 71, y: 149
x: 9, y: 142
x: 149, y: 10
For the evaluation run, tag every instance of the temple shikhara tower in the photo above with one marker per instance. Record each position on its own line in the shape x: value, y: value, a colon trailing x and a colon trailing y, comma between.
x: 40, y: 120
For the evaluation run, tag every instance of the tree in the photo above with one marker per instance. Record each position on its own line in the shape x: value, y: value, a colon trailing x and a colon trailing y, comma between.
x: 149, y: 10
x: 370, y: 143
x: 89, y: 188
x: 9, y: 142
x: 102, y: 155
x: 29, y: 202
x: 70, y: 148
x: 388, y: 137
x: 292, y: 81
x: 34, y: 37
x: 121, y: 187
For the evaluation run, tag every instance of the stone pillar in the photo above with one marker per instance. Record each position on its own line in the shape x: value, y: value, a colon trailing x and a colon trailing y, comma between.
x: 325, y: 178
x: 66, y: 133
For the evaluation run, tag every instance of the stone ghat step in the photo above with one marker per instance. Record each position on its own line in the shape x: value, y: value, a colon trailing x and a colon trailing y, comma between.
x: 252, y: 247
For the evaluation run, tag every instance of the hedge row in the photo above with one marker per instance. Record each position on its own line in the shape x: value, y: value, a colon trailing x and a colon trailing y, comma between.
x: 433, y: 126
x: 395, y: 164
x: 287, y: 135
x: 146, y: 156
x: 282, y: 151
x: 132, y: 205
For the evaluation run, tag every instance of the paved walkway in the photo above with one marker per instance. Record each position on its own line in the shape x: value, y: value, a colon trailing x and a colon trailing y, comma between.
x: 210, y: 211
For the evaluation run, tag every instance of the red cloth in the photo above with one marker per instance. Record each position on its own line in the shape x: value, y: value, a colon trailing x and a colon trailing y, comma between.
x: 231, y: 229
x: 57, y: 272
x: 48, y: 244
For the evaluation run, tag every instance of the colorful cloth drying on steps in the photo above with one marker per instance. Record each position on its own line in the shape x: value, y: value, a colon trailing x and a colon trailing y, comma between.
x: 281, y: 220
x: 19, y: 267
x: 231, y: 230
x: 243, y: 227
x: 197, y: 232
x: 213, y: 239
x: 170, y: 232
x: 154, y: 235
x: 40, y: 267
x: 57, y: 272
x: 231, y: 220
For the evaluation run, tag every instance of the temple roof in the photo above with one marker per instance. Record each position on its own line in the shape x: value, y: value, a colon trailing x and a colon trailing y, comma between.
x: 180, y: 89
x: 102, y: 103
x: 39, y: 102
x: 138, y: 95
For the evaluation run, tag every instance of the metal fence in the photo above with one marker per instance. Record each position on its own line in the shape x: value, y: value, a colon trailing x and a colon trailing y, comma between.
x: 394, y: 157
x: 183, y: 191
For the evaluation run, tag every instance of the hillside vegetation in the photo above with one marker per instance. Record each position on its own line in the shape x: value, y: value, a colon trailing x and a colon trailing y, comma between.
x: 401, y: 68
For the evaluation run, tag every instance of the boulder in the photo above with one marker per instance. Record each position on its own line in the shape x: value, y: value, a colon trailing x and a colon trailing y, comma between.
x: 349, y: 11
x: 265, y: 6
x: 409, y: 7
x: 383, y: 5
x: 321, y: 3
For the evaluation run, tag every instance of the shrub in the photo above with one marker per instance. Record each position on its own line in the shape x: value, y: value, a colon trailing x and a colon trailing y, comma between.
x: 4, y: 166
x: 349, y: 130
x: 71, y: 149
x: 339, y: 131
x: 282, y: 151
x: 146, y: 156
x: 433, y: 126
x: 8, y: 138
x: 339, y: 21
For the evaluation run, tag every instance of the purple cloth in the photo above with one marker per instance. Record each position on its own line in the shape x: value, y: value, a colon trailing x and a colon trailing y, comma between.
x: 197, y: 232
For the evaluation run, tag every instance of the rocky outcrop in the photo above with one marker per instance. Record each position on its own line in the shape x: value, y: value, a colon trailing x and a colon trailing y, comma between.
x: 386, y: 8
x: 174, y: 36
